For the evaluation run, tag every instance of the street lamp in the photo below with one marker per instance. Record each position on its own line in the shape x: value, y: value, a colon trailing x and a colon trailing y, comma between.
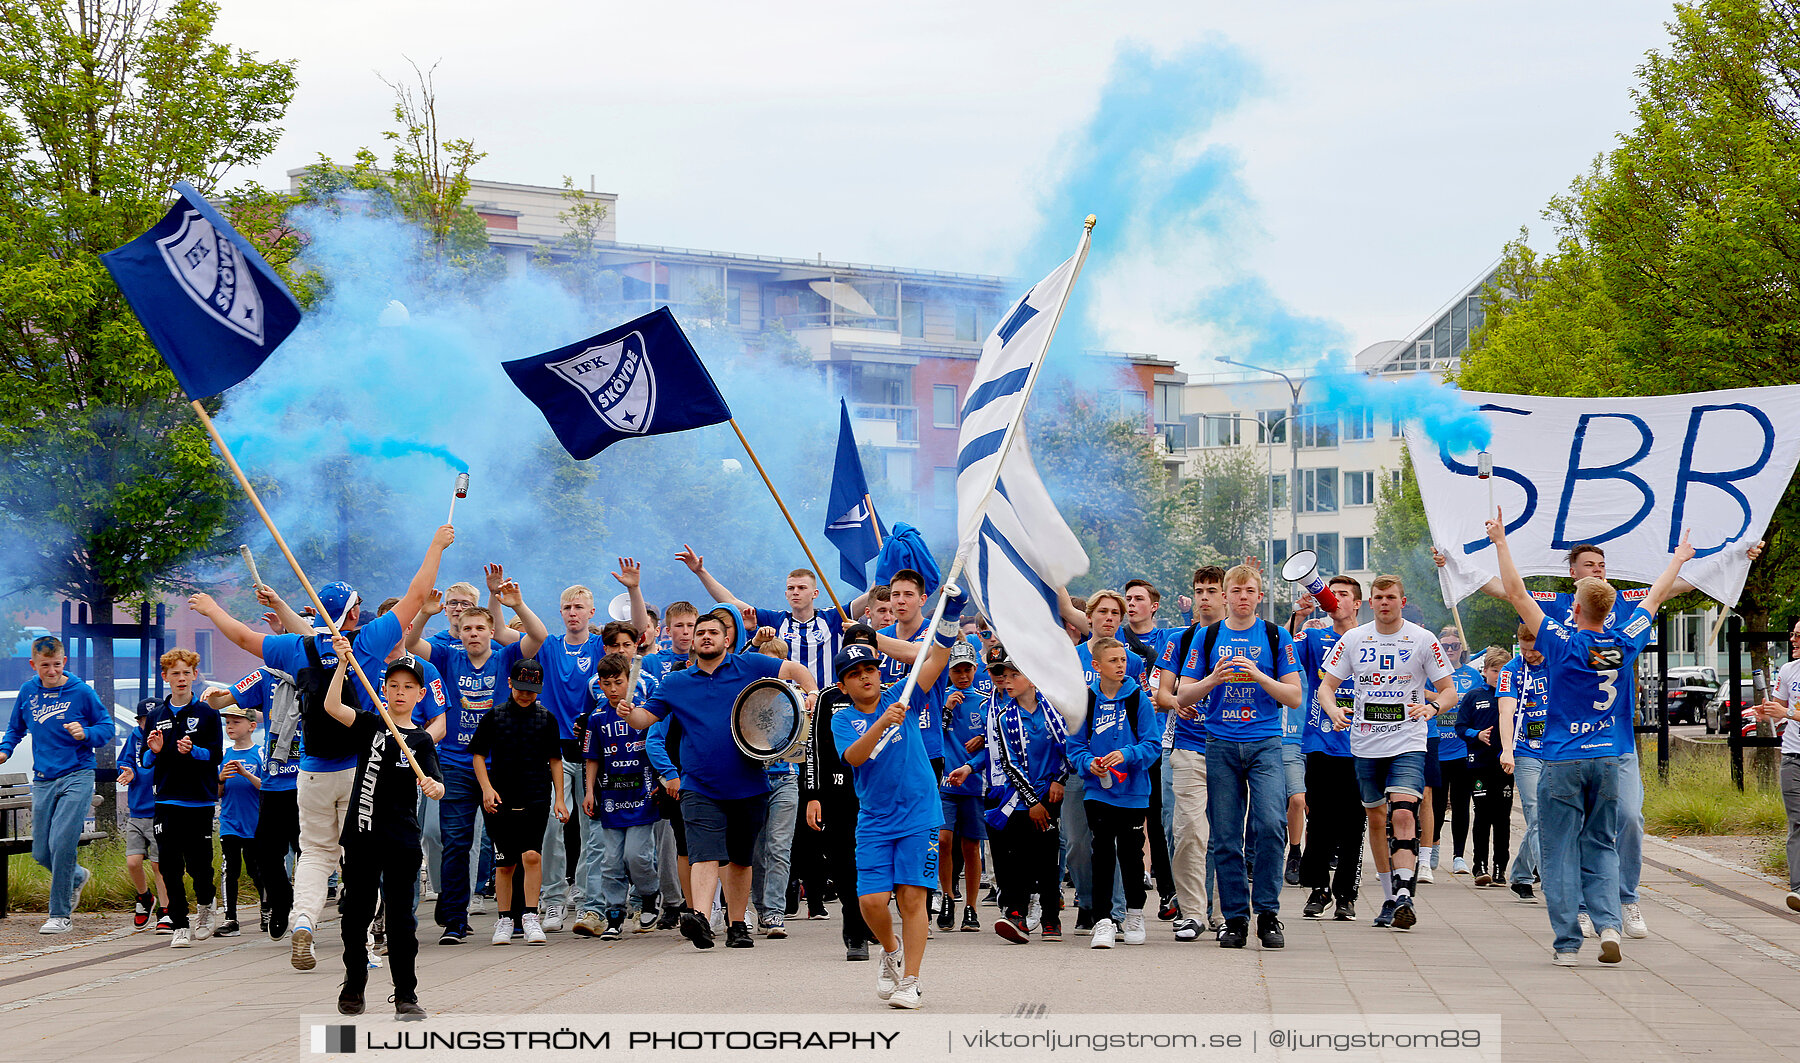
x: 1293, y: 425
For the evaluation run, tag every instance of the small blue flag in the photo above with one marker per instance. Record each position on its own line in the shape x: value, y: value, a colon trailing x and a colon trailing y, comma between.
x: 639, y: 379
x: 905, y: 548
x: 208, y: 301
x: 850, y: 521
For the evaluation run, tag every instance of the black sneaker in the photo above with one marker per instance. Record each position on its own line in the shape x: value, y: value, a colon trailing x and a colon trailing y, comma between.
x: 1084, y: 921
x: 140, y: 910
x: 1482, y: 877
x: 1169, y: 909
x: 1524, y: 890
x: 264, y: 919
x: 854, y: 951
x: 1404, y: 916
x: 1012, y: 928
x: 1187, y: 929
x: 1315, y: 904
x: 1236, y: 933
x: 1050, y: 931
x: 1386, y: 917
x: 670, y: 917
x: 696, y: 928
x: 615, y: 922
x: 407, y: 1009
x: 350, y: 1000
x: 947, y: 916
x: 1345, y: 911
x: 278, y: 925
x: 738, y: 936
x: 1268, y: 931
x: 1292, y: 876
x: 454, y: 935
x: 971, y: 923
x: 228, y: 929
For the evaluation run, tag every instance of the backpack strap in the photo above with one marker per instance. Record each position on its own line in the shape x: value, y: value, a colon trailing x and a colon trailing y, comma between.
x: 1274, y: 633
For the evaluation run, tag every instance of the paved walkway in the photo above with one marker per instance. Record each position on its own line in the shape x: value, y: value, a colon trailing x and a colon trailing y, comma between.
x: 1710, y: 981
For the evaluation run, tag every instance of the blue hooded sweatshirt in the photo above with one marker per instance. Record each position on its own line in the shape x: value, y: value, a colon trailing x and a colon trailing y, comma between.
x: 1110, y: 726
x: 45, y: 712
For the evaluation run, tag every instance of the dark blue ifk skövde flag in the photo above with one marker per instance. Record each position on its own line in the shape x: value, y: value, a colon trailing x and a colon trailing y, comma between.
x: 850, y: 517
x: 639, y: 379
x: 207, y: 300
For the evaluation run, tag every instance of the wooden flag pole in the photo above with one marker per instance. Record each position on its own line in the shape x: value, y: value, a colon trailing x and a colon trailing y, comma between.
x: 293, y: 563
x: 845, y: 613
x: 874, y: 520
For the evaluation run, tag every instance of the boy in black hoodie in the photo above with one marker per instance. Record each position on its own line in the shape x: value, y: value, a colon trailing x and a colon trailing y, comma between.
x: 1478, y: 718
x: 183, y: 745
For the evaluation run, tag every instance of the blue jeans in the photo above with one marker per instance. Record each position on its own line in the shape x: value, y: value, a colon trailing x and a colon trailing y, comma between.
x: 628, y: 863
x: 1526, y: 773
x: 1631, y: 825
x: 59, y: 809
x: 1246, y: 793
x: 1578, y: 815
x: 775, y: 848
x: 456, y: 833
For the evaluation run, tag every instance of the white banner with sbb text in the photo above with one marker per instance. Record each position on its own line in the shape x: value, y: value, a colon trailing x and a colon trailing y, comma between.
x: 1628, y: 475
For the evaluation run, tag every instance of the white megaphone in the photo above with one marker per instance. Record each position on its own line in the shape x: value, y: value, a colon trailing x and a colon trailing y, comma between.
x: 1303, y: 568
x: 620, y: 607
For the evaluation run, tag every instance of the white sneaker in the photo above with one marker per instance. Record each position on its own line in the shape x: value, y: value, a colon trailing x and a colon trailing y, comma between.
x: 1587, y: 925
x: 1567, y: 959
x: 888, y: 978
x: 534, y: 929
x: 1135, y: 933
x: 1424, y: 874
x: 502, y: 931
x: 907, y: 996
x: 1635, y: 927
x: 1035, y: 917
x: 183, y: 939
x: 1459, y: 866
x: 203, y: 923
x: 82, y: 877
x: 718, y: 919
x: 1609, y: 946
x: 1433, y: 853
x: 477, y: 904
x: 552, y: 920
x: 1104, y: 935
x: 55, y: 925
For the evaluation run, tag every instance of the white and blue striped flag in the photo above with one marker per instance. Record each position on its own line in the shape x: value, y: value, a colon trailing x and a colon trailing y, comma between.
x: 1017, y: 549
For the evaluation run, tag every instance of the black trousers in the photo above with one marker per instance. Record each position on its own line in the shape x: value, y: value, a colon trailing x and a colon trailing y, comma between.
x: 184, y: 846
x: 1452, y: 799
x: 1118, y: 836
x: 1160, y: 868
x: 1493, y: 797
x: 837, y: 842
x: 809, y: 863
x: 388, y: 871
x: 240, y: 854
x: 1026, y: 865
x: 1335, y: 823
x: 277, y: 834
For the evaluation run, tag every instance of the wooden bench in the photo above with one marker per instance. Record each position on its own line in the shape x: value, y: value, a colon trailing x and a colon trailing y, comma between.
x: 15, y: 798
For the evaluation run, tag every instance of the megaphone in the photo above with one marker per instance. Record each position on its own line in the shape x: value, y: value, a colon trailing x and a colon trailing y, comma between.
x: 620, y: 607
x: 1303, y: 568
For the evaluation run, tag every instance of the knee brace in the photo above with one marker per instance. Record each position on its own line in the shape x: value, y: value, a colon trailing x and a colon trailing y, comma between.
x: 1410, y: 845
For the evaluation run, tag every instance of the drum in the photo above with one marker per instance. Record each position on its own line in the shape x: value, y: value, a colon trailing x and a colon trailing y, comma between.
x: 769, y: 721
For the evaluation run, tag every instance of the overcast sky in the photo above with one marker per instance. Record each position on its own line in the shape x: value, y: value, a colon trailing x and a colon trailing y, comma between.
x: 1390, y: 150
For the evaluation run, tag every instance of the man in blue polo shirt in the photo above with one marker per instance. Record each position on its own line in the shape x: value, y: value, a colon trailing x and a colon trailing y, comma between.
x: 724, y: 794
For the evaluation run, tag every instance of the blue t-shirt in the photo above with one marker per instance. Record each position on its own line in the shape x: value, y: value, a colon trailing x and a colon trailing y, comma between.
x: 895, y: 787
x: 1531, y: 716
x: 1243, y: 711
x: 962, y: 723
x: 1451, y: 745
x: 625, y: 780
x: 239, y: 799
x: 661, y: 663
x: 1589, y: 676
x: 45, y: 714
x: 1560, y: 607
x: 370, y: 645
x: 1312, y: 646
x: 1185, y: 734
x: 1157, y: 639
x: 567, y: 672
x: 253, y: 692
x: 471, y: 692
x: 927, y: 704
x: 711, y: 763
x: 141, y: 794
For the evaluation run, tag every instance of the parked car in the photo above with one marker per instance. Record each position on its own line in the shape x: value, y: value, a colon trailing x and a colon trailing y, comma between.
x: 1691, y: 689
x: 1722, y: 711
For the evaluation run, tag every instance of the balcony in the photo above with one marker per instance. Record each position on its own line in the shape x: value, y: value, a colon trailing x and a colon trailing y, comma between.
x: 885, y: 426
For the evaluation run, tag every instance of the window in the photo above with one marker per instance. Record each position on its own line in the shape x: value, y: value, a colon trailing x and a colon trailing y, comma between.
x: 1168, y: 403
x: 899, y: 469
x: 943, y: 405
x: 1278, y: 491
x: 912, y: 319
x: 1132, y: 404
x: 1318, y: 427
x: 1278, y: 552
x: 1219, y: 430
x: 1359, y: 489
x: 943, y: 489
x: 1318, y: 491
x: 1394, y: 478
x: 1325, y: 544
x: 1396, y: 428
x: 1357, y: 550
x: 1359, y: 423
x: 203, y: 645
x: 1271, y: 426
x: 965, y: 325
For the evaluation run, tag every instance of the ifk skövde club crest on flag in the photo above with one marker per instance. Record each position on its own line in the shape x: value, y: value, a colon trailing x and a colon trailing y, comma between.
x: 642, y: 378
x: 211, y: 305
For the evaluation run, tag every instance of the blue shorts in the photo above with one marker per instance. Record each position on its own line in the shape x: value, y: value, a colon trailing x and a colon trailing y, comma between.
x: 1434, y: 775
x: 1293, y: 761
x: 965, y: 815
x: 1402, y: 773
x: 883, y: 863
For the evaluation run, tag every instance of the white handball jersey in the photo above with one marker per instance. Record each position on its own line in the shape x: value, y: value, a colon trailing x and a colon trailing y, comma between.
x: 1787, y: 688
x: 1393, y: 673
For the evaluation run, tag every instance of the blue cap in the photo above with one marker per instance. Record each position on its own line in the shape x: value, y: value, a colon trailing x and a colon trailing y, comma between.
x: 851, y: 656
x: 337, y: 598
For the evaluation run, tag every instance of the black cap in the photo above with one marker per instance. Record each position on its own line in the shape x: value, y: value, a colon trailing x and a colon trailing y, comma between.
x: 859, y: 634
x: 527, y: 674
x: 997, y: 660
x: 406, y: 662
x: 850, y: 656
x: 147, y: 706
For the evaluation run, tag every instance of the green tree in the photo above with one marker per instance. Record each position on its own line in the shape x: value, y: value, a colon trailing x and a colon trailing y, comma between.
x: 109, y: 489
x: 575, y: 260
x: 1222, y: 507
